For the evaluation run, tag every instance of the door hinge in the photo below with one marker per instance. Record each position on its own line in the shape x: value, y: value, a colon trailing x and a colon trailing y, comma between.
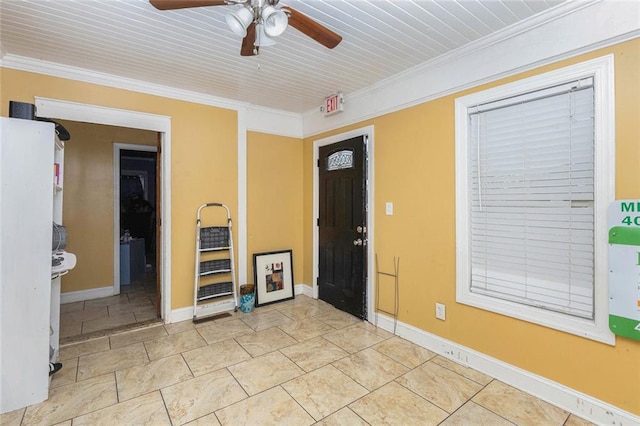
x: 318, y: 163
x: 318, y: 222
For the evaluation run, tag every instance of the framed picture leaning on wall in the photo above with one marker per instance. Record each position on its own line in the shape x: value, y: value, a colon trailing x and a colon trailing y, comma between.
x: 273, y: 276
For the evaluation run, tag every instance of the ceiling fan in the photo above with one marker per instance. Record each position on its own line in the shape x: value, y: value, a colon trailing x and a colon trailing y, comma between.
x: 259, y: 20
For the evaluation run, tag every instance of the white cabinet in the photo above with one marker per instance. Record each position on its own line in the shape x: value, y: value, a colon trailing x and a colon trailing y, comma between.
x: 26, y: 212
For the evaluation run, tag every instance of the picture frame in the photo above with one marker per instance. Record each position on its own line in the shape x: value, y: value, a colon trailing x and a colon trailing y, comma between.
x: 273, y: 276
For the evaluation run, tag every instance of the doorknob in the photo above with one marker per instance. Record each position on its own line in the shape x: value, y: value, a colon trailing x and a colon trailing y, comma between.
x: 357, y: 242
x: 361, y: 229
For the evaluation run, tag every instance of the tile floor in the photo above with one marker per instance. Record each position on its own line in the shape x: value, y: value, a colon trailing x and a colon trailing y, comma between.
x: 135, y: 304
x: 299, y: 362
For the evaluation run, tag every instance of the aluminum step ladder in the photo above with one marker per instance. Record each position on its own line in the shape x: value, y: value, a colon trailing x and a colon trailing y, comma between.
x: 215, y: 275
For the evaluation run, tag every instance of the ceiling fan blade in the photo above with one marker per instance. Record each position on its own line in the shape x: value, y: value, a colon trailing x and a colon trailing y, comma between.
x: 182, y: 4
x: 248, y: 48
x: 311, y: 28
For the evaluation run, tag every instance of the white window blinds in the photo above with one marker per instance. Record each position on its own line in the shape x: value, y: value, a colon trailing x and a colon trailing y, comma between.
x: 532, y: 198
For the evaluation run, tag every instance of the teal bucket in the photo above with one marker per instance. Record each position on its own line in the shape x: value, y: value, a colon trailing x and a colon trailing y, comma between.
x: 247, y: 301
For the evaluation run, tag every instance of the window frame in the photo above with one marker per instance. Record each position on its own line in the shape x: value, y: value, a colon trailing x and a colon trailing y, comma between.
x: 602, y: 71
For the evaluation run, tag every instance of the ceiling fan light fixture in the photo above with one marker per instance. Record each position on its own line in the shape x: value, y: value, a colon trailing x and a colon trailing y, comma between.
x: 238, y: 20
x: 275, y: 21
x: 261, y: 37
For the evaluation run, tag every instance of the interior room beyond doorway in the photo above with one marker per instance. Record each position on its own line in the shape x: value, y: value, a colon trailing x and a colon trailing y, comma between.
x: 89, y: 209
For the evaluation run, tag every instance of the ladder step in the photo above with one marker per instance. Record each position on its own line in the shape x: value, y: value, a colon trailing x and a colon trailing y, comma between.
x: 216, y: 266
x: 213, y: 296
x: 220, y: 271
x: 204, y: 250
x: 215, y: 290
x: 213, y: 237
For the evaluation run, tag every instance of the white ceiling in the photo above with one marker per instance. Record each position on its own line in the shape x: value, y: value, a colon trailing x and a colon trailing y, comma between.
x: 193, y: 50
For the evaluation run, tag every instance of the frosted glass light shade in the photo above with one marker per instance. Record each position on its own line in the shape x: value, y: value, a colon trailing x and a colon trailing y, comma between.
x: 238, y: 20
x: 275, y: 21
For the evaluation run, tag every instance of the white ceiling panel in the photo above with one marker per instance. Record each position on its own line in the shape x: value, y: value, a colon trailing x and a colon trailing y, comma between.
x: 192, y: 49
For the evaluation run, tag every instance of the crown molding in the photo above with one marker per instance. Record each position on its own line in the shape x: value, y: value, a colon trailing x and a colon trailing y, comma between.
x: 492, y: 39
x: 562, y: 32
x: 259, y: 119
x: 274, y: 121
x: 53, y: 69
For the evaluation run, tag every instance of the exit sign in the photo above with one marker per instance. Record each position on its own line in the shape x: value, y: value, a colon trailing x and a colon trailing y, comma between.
x: 333, y: 104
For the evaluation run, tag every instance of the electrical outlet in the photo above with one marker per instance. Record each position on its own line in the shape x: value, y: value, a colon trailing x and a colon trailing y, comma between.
x: 440, y: 311
x: 388, y: 208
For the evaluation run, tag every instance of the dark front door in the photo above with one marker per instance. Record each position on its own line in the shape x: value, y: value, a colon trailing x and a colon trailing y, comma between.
x: 342, y: 225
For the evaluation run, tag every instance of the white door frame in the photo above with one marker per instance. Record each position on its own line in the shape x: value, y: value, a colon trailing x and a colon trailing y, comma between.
x: 117, y: 147
x: 368, y: 133
x: 65, y: 110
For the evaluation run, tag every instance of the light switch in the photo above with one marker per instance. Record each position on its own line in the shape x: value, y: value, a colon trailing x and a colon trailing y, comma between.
x: 389, y: 208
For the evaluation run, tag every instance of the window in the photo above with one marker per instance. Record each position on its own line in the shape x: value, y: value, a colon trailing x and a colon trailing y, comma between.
x: 534, y: 178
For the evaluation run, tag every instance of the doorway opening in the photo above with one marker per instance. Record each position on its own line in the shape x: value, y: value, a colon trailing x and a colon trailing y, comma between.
x: 124, y: 119
x: 136, y: 208
x: 343, y: 248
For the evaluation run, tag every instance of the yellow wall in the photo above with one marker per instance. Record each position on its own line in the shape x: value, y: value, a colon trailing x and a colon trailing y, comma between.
x: 414, y: 168
x: 88, y: 199
x: 274, y: 198
x: 204, y: 154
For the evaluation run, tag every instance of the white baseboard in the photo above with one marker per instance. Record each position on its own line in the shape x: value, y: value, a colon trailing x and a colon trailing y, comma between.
x: 184, y: 314
x: 181, y: 314
x: 568, y: 399
x: 82, y: 295
x: 303, y: 289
